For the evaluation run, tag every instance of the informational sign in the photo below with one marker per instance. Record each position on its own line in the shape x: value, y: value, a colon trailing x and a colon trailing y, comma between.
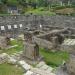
x: 15, y: 26
x: 2, y: 28
x: 9, y: 26
x: 40, y: 26
x: 21, y: 25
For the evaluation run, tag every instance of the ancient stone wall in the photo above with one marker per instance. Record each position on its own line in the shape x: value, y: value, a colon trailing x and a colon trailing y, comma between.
x: 31, y: 21
x: 71, y: 65
x: 43, y: 43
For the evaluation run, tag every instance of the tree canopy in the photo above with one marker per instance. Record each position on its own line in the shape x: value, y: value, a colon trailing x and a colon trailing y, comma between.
x: 33, y: 2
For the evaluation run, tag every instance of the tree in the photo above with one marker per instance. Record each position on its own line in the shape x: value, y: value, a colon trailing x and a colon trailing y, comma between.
x: 4, y: 1
x: 3, y: 6
x: 23, y: 3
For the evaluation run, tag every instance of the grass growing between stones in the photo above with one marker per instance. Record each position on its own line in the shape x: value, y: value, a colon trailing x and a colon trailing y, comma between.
x: 54, y: 59
x: 51, y: 58
x: 7, y: 69
x: 15, y: 49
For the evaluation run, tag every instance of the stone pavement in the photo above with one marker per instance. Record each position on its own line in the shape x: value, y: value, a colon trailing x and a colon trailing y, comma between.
x: 61, y: 72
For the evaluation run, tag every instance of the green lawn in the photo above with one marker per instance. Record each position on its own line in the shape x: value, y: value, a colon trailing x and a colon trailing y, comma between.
x: 54, y: 58
x: 7, y: 69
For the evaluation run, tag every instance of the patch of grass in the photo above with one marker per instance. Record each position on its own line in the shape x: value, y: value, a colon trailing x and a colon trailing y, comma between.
x: 15, y: 49
x: 7, y: 69
x: 40, y: 12
x: 54, y: 59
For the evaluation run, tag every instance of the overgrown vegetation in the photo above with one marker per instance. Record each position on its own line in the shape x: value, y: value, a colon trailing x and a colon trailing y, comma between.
x: 32, y: 6
x: 54, y: 59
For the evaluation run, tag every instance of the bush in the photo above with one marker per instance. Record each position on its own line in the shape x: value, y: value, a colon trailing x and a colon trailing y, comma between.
x: 41, y: 9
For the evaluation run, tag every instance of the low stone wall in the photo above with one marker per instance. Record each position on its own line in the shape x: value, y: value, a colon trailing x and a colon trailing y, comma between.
x: 71, y: 65
x: 3, y: 58
x: 43, y: 43
x: 68, y: 48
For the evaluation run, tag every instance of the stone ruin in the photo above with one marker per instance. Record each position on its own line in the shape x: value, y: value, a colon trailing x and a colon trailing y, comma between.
x: 47, y: 39
x: 69, y: 46
x: 4, y: 42
x: 31, y: 49
x: 18, y: 23
x: 51, y: 39
x: 35, y: 39
x: 70, y: 65
x: 3, y: 58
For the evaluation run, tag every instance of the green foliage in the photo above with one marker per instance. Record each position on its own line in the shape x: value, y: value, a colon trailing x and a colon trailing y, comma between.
x: 12, y: 2
x: 3, y: 2
x: 34, y: 4
x: 22, y: 2
x: 40, y: 11
x: 39, y: 3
